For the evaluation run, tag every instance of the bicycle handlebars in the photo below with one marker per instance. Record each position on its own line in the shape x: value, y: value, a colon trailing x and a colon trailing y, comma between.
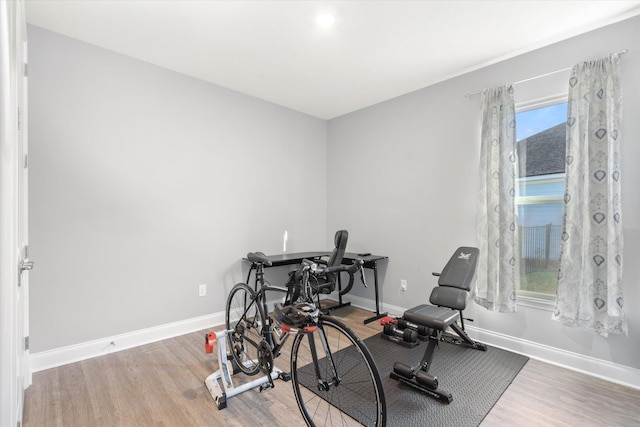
x: 318, y: 270
x: 321, y: 270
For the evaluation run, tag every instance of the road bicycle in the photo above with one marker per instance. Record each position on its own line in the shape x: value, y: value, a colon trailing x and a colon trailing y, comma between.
x: 335, y: 379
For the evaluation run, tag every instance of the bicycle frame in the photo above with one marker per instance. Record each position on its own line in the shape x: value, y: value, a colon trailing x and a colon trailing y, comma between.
x: 323, y: 385
x: 257, y: 335
x: 261, y: 297
x: 267, y: 331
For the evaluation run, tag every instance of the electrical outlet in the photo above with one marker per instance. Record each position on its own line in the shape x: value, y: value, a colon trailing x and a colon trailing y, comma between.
x: 403, y: 285
x: 202, y: 290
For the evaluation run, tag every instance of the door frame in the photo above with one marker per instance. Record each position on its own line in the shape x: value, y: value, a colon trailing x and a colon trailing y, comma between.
x: 14, y: 369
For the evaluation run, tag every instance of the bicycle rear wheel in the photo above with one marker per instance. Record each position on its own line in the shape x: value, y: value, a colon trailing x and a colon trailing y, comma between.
x: 245, y: 319
x: 356, y: 397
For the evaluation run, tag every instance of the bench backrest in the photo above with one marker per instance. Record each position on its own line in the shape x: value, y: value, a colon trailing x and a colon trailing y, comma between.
x: 456, y: 279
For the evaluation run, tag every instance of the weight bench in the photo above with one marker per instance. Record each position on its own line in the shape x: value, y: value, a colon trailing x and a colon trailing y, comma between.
x: 449, y: 298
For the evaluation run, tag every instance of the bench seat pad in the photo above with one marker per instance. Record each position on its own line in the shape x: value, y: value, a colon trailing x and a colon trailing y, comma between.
x: 433, y: 317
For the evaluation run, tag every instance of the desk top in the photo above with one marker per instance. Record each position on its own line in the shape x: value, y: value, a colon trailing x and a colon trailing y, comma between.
x: 365, y: 258
x: 297, y: 257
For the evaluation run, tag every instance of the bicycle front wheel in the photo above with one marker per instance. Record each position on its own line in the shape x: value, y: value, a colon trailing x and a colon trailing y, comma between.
x: 340, y: 385
x: 245, y: 319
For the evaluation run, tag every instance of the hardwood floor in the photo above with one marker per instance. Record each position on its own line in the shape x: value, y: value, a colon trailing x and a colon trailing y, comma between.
x: 162, y: 384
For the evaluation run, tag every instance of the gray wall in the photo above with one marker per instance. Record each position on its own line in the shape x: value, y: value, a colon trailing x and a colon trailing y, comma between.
x: 145, y: 183
x: 414, y: 160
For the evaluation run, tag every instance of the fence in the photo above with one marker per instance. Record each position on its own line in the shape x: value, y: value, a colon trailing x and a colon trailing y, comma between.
x: 540, y: 247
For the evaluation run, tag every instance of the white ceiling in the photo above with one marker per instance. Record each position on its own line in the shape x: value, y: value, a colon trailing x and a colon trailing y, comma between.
x: 273, y: 50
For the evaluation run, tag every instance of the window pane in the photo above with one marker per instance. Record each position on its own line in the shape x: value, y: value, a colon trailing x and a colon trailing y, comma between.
x: 550, y: 186
x: 541, y: 160
x: 537, y: 120
x: 540, y: 215
x: 540, y: 228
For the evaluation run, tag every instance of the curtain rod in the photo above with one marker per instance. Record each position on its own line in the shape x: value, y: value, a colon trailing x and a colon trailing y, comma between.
x: 469, y: 95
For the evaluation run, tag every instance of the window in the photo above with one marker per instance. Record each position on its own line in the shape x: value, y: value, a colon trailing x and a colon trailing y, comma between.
x: 541, y: 136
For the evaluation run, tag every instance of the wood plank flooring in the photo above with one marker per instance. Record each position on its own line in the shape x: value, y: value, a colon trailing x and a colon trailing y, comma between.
x: 162, y: 384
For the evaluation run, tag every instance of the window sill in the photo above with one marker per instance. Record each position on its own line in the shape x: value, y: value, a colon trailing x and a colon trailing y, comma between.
x: 537, y: 303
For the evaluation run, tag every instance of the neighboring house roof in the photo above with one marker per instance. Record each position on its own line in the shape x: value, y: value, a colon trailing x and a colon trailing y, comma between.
x: 542, y: 153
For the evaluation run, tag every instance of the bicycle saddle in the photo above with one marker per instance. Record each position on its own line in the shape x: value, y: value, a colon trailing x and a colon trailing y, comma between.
x: 296, y: 315
x: 259, y: 258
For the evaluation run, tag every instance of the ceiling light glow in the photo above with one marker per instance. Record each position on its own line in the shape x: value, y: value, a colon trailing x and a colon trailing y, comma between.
x: 325, y: 20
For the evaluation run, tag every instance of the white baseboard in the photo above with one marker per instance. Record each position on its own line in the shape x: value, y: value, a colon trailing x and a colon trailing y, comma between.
x: 599, y: 368
x: 75, y: 353
x: 596, y: 367
x: 86, y: 350
x: 603, y: 369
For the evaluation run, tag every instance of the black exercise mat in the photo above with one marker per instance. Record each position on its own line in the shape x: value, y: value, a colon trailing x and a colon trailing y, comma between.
x: 476, y: 380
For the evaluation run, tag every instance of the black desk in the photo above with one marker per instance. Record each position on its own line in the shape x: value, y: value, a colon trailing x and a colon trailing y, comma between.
x: 370, y: 261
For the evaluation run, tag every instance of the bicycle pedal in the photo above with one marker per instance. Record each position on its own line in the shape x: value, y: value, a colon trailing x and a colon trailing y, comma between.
x: 265, y: 386
x: 284, y: 376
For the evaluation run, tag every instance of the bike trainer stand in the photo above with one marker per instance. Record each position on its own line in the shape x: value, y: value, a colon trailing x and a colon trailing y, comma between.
x: 227, y: 368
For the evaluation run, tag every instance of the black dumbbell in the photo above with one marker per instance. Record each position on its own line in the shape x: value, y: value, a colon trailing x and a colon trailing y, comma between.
x: 423, y: 331
x: 407, y: 335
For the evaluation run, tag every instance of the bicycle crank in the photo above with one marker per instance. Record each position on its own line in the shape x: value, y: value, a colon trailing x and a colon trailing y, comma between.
x: 265, y: 360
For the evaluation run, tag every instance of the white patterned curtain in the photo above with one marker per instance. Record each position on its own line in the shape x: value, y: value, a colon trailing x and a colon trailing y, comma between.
x: 495, y: 283
x: 590, y: 278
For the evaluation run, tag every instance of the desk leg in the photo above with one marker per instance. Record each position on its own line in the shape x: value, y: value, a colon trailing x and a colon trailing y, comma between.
x: 378, y: 315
